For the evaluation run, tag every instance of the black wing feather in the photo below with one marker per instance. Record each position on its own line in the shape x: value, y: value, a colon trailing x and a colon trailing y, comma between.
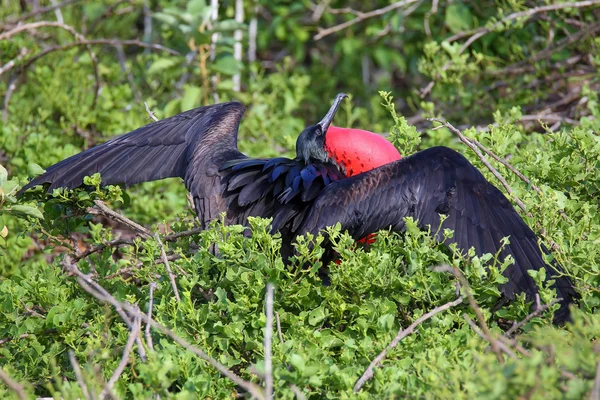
x: 191, y: 145
x: 424, y: 185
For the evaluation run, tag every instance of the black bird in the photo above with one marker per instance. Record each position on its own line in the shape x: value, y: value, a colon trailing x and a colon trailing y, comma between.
x: 315, y: 189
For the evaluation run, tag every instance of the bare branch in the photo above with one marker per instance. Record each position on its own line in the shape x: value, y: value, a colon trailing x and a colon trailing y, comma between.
x: 368, y: 374
x: 595, y: 395
x: 163, y: 255
x: 527, y: 14
x: 478, y: 313
x: 13, y: 385
x: 538, y: 311
x: 150, y: 303
x: 483, y: 159
x: 268, y: 342
x: 279, y: 328
x: 39, y: 11
x: 111, y: 42
x: 9, y: 65
x: 476, y: 34
x: 102, y: 209
x: 79, y: 376
x: 360, y: 16
x: 102, y: 295
x: 150, y: 113
x: 72, y: 31
x: 503, y: 347
x: 125, y: 359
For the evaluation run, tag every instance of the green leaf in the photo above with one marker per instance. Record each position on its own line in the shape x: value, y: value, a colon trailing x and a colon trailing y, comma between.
x: 162, y: 64
x: 226, y: 65
x: 3, y: 175
x: 34, y: 170
x: 317, y: 315
x: 459, y: 18
x: 28, y: 211
x: 228, y: 25
x: 191, y: 98
x: 4, y: 232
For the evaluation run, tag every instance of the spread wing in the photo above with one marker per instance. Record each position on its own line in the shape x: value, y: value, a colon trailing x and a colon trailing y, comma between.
x: 424, y: 185
x: 190, y: 145
x: 278, y: 188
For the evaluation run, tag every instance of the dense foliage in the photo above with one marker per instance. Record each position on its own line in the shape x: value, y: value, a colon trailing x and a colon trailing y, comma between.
x: 525, y: 78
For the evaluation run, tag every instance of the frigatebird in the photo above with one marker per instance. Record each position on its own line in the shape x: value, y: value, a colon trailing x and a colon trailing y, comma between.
x: 326, y: 183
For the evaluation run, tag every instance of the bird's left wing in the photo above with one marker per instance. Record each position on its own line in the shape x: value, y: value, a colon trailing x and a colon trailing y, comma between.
x: 191, y: 145
x: 423, y: 186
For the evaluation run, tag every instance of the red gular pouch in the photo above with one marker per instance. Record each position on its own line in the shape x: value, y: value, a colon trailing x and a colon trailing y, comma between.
x: 359, y: 151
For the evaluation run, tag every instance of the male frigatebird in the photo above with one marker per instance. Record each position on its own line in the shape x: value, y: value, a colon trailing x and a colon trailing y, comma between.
x: 329, y: 181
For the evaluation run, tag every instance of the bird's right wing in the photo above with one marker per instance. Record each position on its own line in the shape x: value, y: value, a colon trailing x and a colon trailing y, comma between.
x: 423, y: 186
x: 190, y: 145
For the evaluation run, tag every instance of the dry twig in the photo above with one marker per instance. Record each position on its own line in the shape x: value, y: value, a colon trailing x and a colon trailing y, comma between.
x: 501, y: 345
x: 150, y: 304
x: 79, y: 376
x: 125, y: 359
x: 39, y: 11
x: 478, y: 313
x: 268, y: 342
x: 97, y: 291
x: 538, y: 311
x: 595, y: 395
x: 279, y: 328
x: 78, y: 36
x: 360, y: 16
x: 13, y: 385
x: 163, y: 255
x: 368, y: 374
x: 103, y: 209
x: 483, y: 159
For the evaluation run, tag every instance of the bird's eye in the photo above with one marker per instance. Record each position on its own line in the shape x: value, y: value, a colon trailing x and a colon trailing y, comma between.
x: 319, y: 132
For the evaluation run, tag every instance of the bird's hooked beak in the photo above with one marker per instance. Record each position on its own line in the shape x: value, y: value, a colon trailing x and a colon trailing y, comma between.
x: 326, y: 121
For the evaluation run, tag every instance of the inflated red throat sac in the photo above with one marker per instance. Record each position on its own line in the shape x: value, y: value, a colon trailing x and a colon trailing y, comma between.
x: 359, y: 150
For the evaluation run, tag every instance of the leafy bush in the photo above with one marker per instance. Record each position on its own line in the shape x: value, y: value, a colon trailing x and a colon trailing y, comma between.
x: 324, y: 337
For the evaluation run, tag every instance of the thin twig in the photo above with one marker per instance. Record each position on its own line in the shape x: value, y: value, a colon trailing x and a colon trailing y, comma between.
x: 103, y: 209
x: 163, y: 255
x: 527, y: 14
x: 57, y: 12
x: 150, y: 303
x: 483, y: 159
x: 39, y: 11
x: 279, y: 328
x: 150, y: 113
x: 503, y: 347
x: 478, y: 313
x: 93, y: 288
x: 79, y: 376
x: 476, y: 34
x: 538, y: 311
x: 268, y: 342
x: 595, y: 395
x: 13, y: 385
x: 9, y: 65
x: 125, y: 359
x: 368, y: 374
x: 72, y: 31
x: 360, y: 16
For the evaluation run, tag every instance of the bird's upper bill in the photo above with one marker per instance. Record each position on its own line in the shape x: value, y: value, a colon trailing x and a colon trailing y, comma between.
x: 358, y: 150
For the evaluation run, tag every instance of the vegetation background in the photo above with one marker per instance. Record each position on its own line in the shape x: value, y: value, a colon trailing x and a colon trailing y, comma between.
x: 520, y: 77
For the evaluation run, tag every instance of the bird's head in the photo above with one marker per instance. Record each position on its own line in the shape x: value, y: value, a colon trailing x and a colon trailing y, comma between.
x: 353, y: 150
x: 310, y: 145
